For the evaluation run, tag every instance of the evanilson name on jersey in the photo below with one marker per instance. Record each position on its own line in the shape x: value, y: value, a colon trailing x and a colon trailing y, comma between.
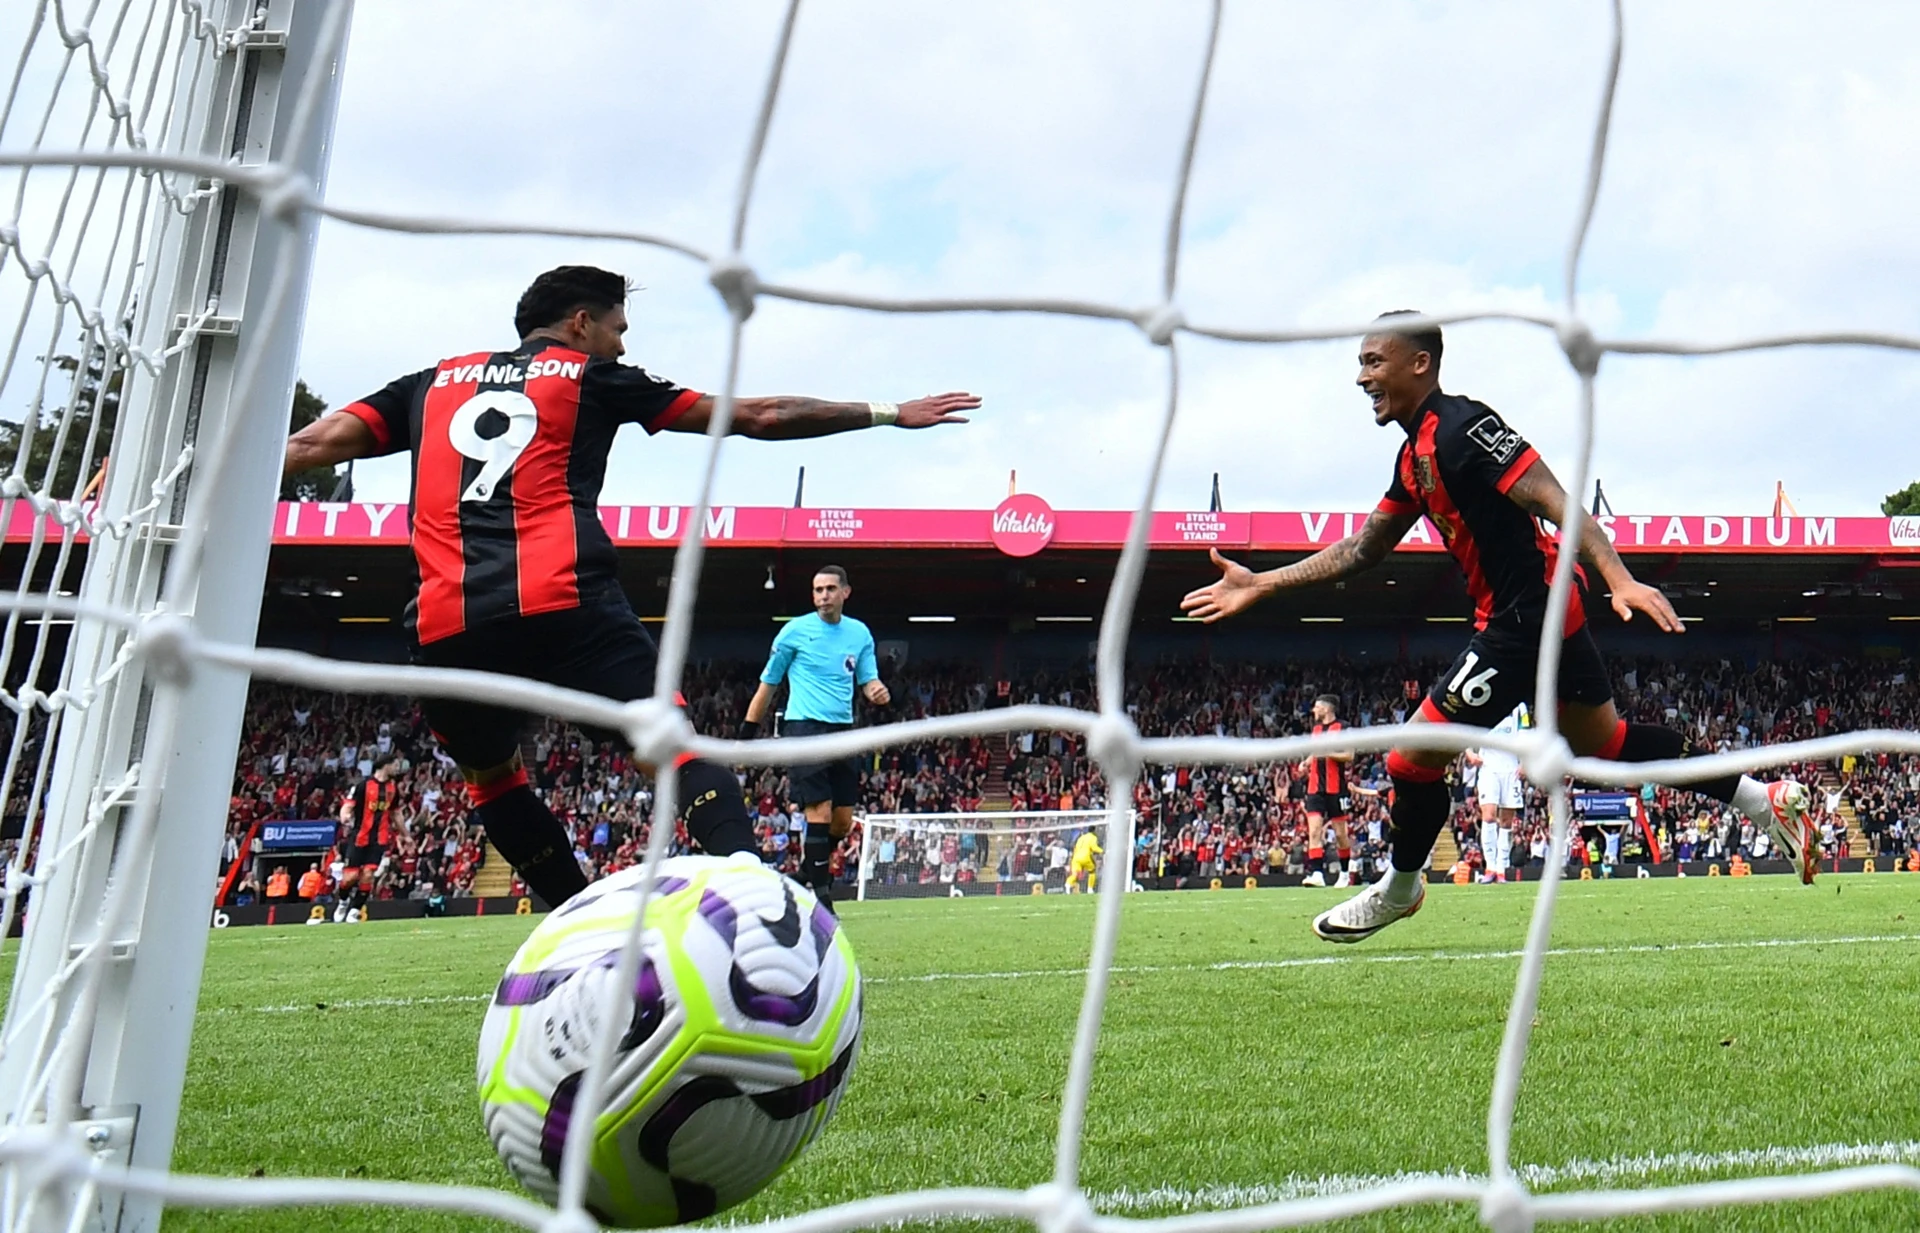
x: 507, y: 374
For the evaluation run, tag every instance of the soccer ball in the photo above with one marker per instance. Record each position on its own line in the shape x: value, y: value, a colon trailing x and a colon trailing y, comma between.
x: 734, y: 1048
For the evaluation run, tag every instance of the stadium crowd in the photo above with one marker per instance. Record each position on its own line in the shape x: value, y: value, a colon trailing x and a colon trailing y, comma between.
x: 302, y: 753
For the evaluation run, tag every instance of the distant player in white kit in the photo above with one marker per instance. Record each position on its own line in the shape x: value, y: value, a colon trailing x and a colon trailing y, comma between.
x: 1501, y: 794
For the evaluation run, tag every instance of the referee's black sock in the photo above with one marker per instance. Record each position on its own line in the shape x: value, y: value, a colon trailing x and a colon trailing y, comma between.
x: 715, y: 811
x: 816, y: 862
x: 531, y: 838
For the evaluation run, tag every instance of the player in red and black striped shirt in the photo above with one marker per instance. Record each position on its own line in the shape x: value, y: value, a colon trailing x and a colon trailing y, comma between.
x: 1328, y: 802
x: 1485, y: 490
x: 367, y: 816
x: 515, y: 572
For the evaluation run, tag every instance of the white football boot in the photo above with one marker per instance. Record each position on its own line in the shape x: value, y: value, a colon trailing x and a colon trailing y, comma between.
x: 1792, y: 828
x: 1316, y: 878
x: 1364, y: 915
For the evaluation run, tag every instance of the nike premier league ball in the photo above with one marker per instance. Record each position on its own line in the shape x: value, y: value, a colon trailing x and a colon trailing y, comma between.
x: 734, y: 1043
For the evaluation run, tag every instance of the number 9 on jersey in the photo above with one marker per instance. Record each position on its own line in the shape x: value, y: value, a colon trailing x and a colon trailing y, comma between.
x: 497, y: 451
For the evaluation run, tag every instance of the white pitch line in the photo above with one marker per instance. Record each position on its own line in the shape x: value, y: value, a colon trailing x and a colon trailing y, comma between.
x: 322, y: 1007
x: 1534, y: 1176
x: 1231, y: 965
x: 1439, y: 956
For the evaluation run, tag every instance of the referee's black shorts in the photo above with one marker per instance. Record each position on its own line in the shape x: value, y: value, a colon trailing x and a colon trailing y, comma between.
x: 602, y: 649
x: 810, y: 783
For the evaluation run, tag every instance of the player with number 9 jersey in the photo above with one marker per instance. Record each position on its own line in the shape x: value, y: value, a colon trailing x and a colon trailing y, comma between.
x: 509, y: 453
x: 515, y: 572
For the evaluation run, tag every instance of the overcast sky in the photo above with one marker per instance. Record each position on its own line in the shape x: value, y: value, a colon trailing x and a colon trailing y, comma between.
x: 1429, y: 155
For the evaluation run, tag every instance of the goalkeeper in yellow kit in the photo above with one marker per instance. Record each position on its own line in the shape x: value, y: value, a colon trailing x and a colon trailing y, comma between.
x: 1085, y: 849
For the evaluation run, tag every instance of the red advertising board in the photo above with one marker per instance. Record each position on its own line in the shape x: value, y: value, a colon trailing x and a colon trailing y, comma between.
x: 1026, y: 524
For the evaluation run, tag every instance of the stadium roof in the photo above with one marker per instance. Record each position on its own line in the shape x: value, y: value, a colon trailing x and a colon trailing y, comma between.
x: 959, y: 564
x: 1027, y: 565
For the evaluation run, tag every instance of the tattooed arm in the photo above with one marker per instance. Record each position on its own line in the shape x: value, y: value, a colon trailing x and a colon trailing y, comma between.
x: 785, y: 418
x: 1240, y: 588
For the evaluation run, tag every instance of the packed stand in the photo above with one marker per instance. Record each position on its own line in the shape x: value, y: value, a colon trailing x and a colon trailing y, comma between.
x: 302, y: 753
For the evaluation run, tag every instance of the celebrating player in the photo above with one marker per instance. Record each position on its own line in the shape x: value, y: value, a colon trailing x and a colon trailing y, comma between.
x: 1501, y: 795
x: 822, y: 657
x: 1327, y: 801
x: 1085, y: 849
x: 515, y: 572
x: 1482, y: 486
x: 367, y: 815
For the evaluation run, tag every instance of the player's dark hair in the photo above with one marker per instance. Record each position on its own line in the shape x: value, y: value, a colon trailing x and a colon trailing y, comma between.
x: 836, y: 571
x: 396, y: 754
x: 1332, y: 700
x: 564, y: 291
x: 1426, y: 338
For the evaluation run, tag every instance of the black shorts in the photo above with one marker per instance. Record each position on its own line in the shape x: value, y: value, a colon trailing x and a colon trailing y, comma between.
x: 1497, y: 671
x: 1329, y: 805
x: 602, y: 649
x: 365, y: 855
x: 810, y: 783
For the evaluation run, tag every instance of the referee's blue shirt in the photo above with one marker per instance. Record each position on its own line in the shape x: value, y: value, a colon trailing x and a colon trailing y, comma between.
x: 821, y: 664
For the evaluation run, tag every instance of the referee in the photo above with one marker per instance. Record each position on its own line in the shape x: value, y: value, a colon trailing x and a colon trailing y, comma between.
x: 821, y: 657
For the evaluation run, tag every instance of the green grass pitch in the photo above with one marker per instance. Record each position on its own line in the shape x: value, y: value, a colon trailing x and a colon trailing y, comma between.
x: 1241, y: 1060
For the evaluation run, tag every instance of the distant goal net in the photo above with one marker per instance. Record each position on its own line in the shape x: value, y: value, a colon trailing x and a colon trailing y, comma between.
x: 916, y: 855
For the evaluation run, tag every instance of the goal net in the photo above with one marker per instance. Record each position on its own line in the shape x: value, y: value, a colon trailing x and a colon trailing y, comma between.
x: 906, y: 855
x: 164, y: 164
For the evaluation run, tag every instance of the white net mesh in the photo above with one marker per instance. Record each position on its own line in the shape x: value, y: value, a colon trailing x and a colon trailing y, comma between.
x: 110, y: 132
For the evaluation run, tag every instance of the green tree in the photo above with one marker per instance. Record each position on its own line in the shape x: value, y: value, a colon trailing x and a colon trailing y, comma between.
x: 99, y: 378
x: 1906, y: 501
x: 318, y: 483
x: 83, y: 451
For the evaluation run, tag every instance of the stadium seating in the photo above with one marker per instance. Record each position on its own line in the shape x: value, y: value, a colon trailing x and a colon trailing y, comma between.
x: 300, y: 752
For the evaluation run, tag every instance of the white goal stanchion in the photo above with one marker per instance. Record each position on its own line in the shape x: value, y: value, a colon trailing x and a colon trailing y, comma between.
x: 985, y: 837
x: 156, y: 314
x: 80, y: 1002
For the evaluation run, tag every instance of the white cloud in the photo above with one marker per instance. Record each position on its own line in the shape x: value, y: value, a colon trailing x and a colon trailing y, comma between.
x: 1403, y: 154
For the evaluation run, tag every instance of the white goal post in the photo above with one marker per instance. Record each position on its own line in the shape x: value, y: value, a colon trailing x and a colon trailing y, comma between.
x: 180, y: 299
x: 988, y: 835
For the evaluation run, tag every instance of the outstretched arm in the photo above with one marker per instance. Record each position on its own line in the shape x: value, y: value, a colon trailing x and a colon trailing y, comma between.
x: 1240, y: 588
x: 784, y: 418
x: 329, y: 441
x: 1540, y: 494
